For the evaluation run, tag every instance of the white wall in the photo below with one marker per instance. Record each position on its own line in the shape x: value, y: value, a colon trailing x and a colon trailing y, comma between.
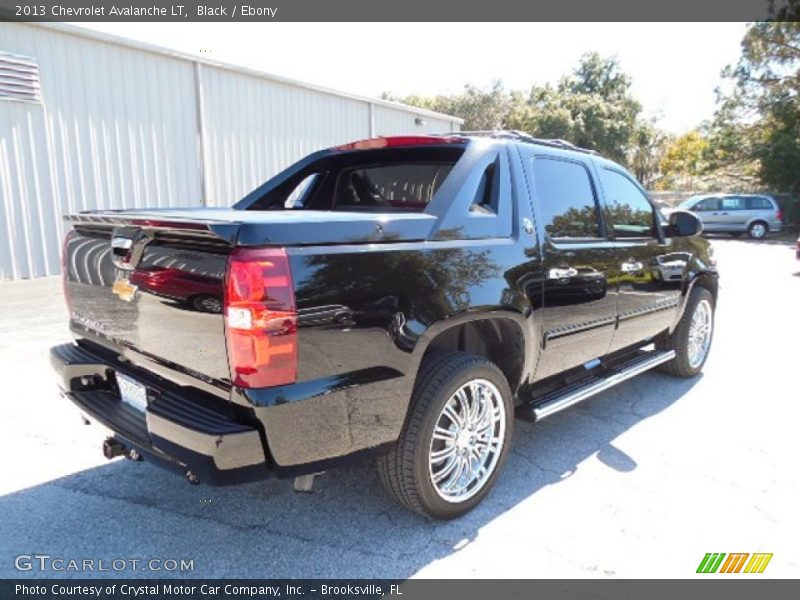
x: 256, y: 127
x: 105, y: 136
x: 119, y: 127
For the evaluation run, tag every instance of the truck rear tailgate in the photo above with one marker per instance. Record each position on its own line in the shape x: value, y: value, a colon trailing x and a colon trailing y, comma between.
x: 154, y: 287
x: 153, y: 280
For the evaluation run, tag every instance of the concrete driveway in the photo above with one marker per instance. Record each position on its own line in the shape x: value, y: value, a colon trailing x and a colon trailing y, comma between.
x: 640, y: 481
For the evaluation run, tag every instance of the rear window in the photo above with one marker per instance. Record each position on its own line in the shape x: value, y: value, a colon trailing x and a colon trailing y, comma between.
x: 380, y: 180
x: 407, y: 186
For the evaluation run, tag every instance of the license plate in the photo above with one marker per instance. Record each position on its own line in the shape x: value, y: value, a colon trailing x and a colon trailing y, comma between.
x: 132, y: 392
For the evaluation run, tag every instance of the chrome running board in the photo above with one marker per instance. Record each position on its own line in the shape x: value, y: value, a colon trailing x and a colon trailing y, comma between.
x: 558, y: 400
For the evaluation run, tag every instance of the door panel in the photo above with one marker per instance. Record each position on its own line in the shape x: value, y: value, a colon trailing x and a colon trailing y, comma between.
x: 732, y: 214
x: 649, y: 279
x: 648, y: 276
x: 708, y: 210
x: 579, y: 305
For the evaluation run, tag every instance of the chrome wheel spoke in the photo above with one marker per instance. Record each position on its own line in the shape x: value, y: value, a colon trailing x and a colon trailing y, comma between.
x: 451, y: 413
x: 442, y: 454
x: 701, y: 328
x: 446, y: 470
x: 467, y: 441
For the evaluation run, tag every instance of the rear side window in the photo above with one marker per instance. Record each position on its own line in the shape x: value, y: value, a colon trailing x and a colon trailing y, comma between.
x: 298, y: 196
x: 566, y: 197
x: 630, y: 213
x: 407, y: 187
x: 759, y: 202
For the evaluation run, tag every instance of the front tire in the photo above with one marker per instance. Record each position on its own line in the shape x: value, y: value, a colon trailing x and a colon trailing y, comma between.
x: 456, y: 439
x: 691, y: 339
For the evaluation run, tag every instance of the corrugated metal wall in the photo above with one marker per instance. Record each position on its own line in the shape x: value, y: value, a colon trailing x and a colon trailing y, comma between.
x: 390, y: 121
x: 283, y: 124
x: 119, y: 127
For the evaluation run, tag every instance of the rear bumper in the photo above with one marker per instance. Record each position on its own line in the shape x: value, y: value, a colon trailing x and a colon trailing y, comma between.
x: 186, y: 429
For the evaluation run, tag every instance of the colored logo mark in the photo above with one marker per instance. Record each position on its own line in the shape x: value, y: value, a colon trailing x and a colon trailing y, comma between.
x: 716, y: 562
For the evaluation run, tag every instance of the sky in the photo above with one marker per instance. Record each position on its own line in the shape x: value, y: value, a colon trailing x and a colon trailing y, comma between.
x: 675, y: 67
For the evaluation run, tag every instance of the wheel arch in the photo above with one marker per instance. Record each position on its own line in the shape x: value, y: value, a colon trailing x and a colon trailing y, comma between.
x: 755, y: 220
x: 705, y: 279
x: 504, y: 337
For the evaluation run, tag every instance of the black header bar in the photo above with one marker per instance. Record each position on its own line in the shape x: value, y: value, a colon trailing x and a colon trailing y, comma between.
x: 398, y: 10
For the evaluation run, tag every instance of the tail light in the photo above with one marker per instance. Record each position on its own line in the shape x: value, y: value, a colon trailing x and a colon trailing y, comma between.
x: 779, y: 215
x: 260, y: 318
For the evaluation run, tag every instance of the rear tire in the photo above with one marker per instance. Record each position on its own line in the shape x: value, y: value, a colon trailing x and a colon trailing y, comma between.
x: 464, y: 399
x: 692, y: 338
x: 758, y: 230
x: 206, y: 303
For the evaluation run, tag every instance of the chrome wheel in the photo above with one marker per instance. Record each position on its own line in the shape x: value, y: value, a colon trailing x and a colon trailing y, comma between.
x: 467, y: 441
x: 758, y: 231
x: 700, y: 330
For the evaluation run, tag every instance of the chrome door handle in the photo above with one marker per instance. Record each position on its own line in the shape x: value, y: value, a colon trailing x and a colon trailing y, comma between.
x: 562, y: 273
x: 631, y: 267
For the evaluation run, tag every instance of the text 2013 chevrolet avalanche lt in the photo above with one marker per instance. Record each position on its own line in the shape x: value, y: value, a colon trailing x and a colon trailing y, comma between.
x: 403, y: 296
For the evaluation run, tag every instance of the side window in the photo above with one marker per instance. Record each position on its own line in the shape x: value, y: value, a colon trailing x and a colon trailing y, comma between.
x: 707, y: 205
x: 758, y: 202
x: 630, y: 213
x: 732, y: 203
x: 299, y: 195
x: 485, y: 201
x: 566, y: 197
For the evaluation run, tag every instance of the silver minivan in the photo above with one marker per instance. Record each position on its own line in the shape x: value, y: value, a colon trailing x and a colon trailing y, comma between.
x: 736, y: 214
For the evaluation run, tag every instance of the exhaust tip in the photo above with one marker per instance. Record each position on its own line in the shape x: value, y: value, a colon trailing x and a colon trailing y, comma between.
x: 112, y: 448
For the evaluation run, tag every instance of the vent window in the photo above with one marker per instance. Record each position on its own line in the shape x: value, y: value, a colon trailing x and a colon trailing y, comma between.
x: 19, y: 78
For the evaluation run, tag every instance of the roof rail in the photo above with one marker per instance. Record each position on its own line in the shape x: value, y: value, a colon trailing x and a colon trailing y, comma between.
x: 521, y: 136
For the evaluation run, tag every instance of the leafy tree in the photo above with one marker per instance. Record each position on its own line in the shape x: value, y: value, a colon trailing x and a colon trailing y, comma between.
x: 685, y: 159
x: 758, y: 122
x: 647, y: 146
x: 480, y: 109
x: 591, y: 107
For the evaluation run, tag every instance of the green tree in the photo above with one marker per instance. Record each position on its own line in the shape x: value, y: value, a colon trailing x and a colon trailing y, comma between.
x: 591, y: 107
x: 758, y: 121
x: 684, y: 160
x: 480, y: 109
x: 647, y: 146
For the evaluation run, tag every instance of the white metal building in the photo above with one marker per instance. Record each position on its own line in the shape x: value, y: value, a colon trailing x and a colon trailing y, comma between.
x: 90, y: 121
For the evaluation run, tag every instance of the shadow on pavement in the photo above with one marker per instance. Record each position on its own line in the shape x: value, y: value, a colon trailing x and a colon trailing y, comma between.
x: 347, y: 528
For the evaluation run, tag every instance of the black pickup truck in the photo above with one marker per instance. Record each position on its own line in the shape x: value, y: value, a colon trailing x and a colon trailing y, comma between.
x: 402, y: 296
